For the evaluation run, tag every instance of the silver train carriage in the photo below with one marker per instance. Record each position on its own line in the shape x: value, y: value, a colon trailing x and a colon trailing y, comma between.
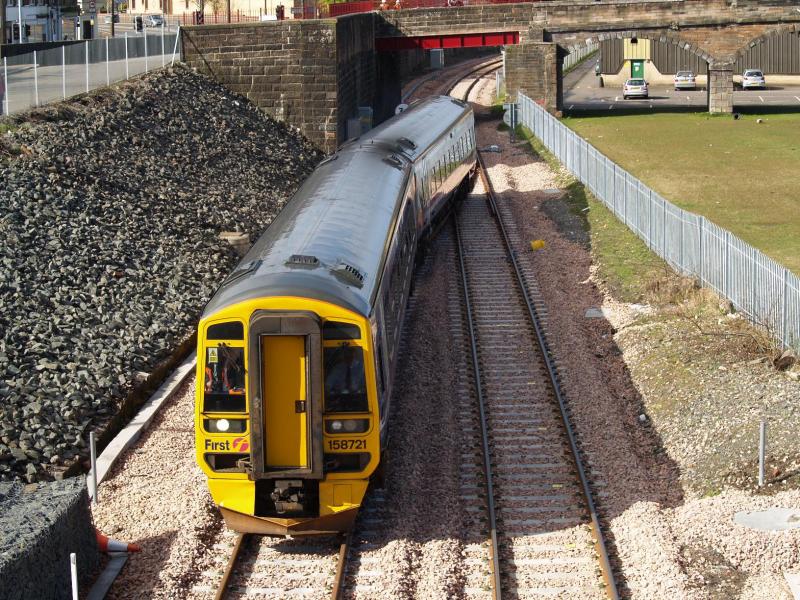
x: 297, y: 350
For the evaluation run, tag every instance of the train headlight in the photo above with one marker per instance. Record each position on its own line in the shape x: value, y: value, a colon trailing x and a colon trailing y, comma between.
x: 225, y: 425
x: 347, y: 425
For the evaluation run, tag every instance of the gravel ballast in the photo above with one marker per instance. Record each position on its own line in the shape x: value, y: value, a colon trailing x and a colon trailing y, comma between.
x: 109, y: 245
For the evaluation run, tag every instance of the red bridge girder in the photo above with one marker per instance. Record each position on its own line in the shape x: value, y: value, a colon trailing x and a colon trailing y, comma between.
x: 457, y: 40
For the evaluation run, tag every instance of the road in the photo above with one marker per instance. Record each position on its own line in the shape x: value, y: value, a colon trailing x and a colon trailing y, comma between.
x: 582, y: 92
x: 53, y: 81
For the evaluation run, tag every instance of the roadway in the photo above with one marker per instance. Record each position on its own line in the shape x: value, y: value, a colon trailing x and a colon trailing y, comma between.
x: 582, y: 93
x: 22, y: 89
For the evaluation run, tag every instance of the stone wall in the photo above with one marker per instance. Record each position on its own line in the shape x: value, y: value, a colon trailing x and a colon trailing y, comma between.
x: 717, y: 25
x: 312, y: 74
x: 532, y: 68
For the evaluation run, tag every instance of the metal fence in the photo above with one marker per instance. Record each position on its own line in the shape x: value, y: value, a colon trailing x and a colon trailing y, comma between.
x: 578, y: 56
x: 37, y: 78
x: 756, y: 285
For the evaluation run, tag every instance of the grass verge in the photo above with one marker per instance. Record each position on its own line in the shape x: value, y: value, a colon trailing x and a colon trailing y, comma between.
x: 741, y: 174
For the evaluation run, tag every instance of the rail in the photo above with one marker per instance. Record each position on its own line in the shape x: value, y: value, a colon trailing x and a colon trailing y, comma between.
x: 605, y: 564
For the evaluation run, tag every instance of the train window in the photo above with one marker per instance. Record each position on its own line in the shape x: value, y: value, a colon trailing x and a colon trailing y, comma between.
x: 224, y: 379
x: 334, y: 330
x: 226, y: 331
x: 345, y: 384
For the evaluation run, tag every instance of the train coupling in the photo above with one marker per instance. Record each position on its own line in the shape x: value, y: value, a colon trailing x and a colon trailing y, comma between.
x: 288, y: 496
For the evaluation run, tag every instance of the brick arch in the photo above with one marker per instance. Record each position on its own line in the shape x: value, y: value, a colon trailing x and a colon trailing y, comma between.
x: 663, y: 36
x: 766, y: 35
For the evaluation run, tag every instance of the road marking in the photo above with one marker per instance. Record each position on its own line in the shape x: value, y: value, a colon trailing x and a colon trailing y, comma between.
x: 616, y: 98
x: 570, y: 106
x: 760, y: 98
x: 798, y: 99
x: 688, y: 97
x: 610, y: 107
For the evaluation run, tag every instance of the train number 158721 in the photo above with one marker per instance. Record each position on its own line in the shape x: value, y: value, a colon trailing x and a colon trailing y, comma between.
x: 347, y: 444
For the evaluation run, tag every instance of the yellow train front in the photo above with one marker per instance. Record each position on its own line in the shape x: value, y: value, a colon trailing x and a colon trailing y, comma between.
x: 298, y: 347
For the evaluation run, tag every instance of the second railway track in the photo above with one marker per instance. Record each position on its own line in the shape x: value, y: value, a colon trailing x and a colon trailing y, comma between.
x: 544, y: 533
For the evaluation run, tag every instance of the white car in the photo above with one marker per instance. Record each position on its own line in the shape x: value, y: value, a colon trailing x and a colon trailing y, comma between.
x: 634, y: 88
x: 753, y: 78
x: 685, y: 80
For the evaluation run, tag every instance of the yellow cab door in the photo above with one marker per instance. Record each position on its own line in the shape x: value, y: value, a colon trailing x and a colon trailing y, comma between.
x: 284, y: 375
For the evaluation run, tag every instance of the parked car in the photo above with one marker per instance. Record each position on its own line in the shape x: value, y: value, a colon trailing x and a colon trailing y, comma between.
x: 107, y: 19
x: 154, y: 21
x: 634, y: 88
x: 753, y: 78
x: 685, y: 80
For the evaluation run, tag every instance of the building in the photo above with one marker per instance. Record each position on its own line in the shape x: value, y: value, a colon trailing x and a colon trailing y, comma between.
x: 241, y: 10
x: 39, y: 20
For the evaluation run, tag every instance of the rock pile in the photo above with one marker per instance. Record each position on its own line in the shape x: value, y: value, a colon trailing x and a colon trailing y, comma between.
x: 110, y: 244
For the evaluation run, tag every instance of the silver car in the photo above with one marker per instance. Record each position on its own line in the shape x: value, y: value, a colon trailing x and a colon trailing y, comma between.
x: 753, y: 78
x: 634, y: 88
x: 685, y: 80
x: 154, y: 21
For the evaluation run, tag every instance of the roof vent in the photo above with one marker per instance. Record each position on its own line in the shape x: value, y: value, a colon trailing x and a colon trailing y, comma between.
x: 302, y: 260
x: 349, y: 274
x: 394, y: 161
x: 404, y: 141
x: 242, y: 270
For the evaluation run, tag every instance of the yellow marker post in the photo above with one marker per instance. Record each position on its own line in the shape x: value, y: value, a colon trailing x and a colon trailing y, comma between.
x: 537, y: 244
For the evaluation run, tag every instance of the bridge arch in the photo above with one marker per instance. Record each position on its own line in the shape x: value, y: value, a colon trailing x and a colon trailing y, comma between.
x: 765, y: 37
x: 569, y: 44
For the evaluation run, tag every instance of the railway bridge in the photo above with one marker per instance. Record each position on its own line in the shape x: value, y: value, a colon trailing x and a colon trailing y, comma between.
x: 315, y: 74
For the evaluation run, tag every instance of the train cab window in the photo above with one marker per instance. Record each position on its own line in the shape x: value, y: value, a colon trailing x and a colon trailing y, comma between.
x: 223, y: 390
x: 334, y: 330
x: 226, y: 331
x: 345, y: 384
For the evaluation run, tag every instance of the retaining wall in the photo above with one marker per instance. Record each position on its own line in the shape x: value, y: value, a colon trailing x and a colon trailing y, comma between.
x: 40, y: 525
x: 312, y: 74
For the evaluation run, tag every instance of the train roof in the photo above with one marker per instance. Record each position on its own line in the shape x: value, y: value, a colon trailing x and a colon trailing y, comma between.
x: 329, y: 241
x: 422, y: 123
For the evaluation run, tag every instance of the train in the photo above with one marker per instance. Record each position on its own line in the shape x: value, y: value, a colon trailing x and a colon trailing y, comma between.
x: 297, y: 349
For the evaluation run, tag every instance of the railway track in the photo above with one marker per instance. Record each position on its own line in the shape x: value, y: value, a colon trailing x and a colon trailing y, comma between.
x: 544, y: 535
x: 541, y: 529
x: 266, y: 567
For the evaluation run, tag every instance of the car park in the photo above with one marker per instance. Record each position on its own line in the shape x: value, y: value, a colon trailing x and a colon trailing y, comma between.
x: 685, y: 80
x: 635, y: 88
x: 753, y: 79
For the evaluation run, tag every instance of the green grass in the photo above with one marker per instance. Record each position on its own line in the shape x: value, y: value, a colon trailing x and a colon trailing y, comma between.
x: 739, y: 174
x: 625, y: 263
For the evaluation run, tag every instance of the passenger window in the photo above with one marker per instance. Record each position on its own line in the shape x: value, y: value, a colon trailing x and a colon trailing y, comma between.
x: 345, y: 385
x: 224, y: 379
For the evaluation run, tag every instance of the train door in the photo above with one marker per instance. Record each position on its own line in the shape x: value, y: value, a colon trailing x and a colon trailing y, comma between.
x: 285, y: 355
x: 284, y: 377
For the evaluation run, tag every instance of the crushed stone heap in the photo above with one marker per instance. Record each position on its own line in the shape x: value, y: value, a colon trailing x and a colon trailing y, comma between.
x: 109, y: 244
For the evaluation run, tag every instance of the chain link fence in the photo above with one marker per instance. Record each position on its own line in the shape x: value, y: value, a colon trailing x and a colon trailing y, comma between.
x: 37, y: 78
x: 756, y: 285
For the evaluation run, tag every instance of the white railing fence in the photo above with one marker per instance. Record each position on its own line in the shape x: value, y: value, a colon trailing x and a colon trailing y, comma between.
x: 579, y: 55
x: 36, y: 78
x: 756, y: 285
